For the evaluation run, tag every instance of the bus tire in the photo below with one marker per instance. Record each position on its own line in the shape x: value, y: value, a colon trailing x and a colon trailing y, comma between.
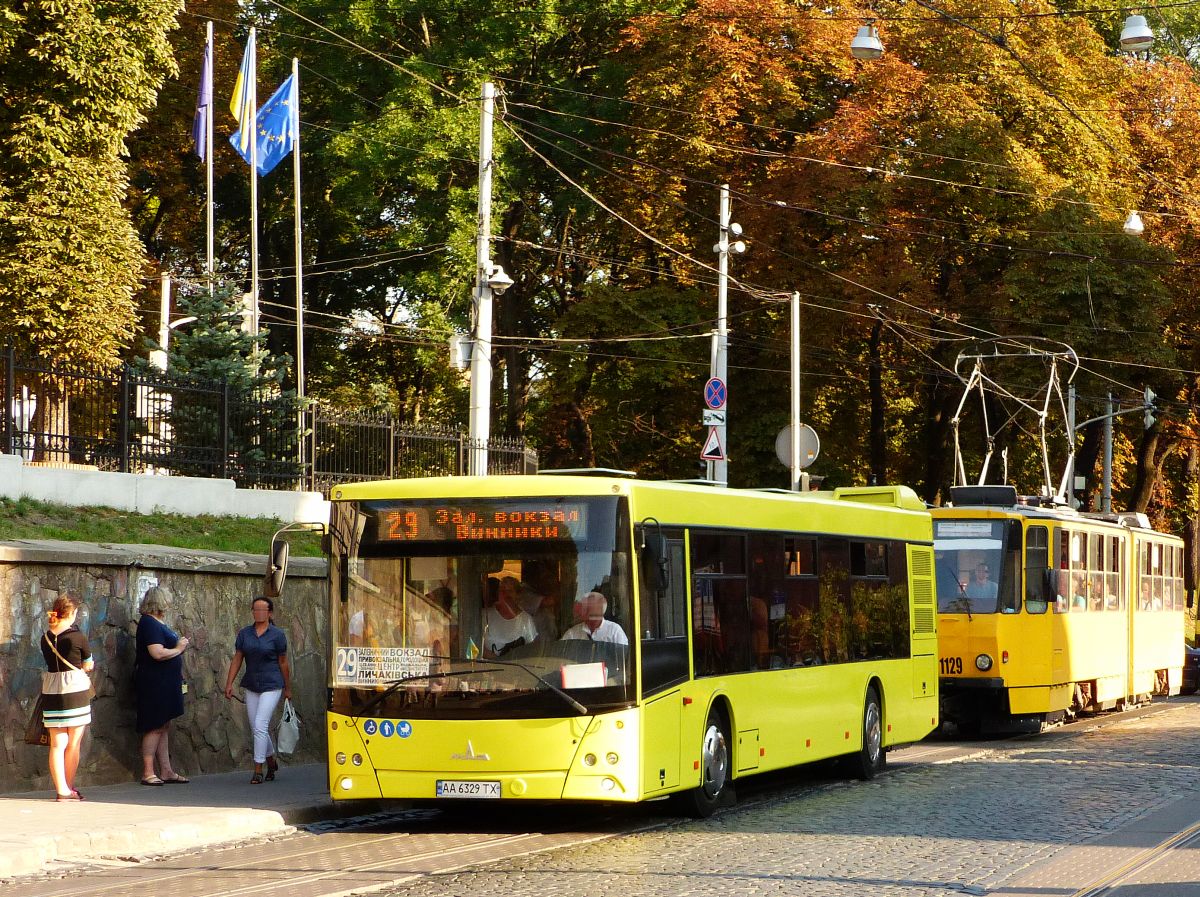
x: 715, y: 786
x: 871, y: 758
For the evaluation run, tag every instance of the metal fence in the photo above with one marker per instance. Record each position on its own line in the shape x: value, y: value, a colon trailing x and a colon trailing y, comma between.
x: 148, y: 421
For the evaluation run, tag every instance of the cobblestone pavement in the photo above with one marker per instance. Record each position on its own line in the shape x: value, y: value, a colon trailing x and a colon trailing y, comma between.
x: 964, y: 827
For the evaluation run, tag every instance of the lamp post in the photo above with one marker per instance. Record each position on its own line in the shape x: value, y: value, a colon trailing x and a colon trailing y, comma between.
x: 718, y: 471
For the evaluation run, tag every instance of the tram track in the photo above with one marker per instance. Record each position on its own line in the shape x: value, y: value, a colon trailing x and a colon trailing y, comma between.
x: 1126, y: 875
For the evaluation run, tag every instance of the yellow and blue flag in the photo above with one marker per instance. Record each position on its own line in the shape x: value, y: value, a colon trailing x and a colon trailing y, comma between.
x: 276, y: 127
x: 472, y: 649
x: 242, y: 102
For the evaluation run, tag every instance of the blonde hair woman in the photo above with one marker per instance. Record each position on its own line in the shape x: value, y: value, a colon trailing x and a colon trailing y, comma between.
x: 66, y: 698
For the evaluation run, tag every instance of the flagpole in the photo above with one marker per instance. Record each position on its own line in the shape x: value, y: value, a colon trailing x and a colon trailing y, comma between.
x: 252, y: 125
x: 299, y: 260
x: 208, y: 173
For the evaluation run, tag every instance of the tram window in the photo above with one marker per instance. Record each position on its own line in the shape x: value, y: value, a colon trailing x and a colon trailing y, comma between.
x: 1095, y: 567
x: 1113, y: 580
x: 1037, y: 560
x: 1179, y: 591
x: 1062, y: 576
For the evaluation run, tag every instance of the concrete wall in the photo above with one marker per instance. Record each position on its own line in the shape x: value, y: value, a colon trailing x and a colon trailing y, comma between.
x: 212, y: 593
x: 146, y: 494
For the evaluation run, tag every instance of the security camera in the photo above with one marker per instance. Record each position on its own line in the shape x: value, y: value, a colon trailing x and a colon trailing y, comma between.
x: 498, y: 280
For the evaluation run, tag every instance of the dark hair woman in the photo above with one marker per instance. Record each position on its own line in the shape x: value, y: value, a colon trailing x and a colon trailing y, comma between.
x: 66, y: 693
x: 263, y: 647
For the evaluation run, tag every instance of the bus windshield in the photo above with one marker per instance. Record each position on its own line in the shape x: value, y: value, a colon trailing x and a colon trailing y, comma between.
x: 481, y: 607
x: 970, y: 572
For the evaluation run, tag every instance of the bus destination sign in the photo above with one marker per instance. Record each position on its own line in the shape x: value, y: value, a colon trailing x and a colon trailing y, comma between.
x: 478, y: 522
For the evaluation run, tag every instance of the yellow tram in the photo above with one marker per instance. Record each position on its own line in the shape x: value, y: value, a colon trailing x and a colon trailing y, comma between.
x: 1045, y: 612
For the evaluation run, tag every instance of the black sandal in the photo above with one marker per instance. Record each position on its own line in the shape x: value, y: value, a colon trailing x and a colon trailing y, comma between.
x: 256, y: 779
x: 272, y: 765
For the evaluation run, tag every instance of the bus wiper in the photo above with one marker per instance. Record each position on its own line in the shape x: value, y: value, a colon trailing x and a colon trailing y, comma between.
x: 582, y: 710
x: 397, y: 683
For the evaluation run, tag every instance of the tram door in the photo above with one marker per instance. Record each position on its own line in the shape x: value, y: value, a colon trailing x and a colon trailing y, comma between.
x: 1048, y: 658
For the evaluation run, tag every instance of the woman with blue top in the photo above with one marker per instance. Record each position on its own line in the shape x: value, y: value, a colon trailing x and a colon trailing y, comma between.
x: 263, y: 647
x: 158, y: 680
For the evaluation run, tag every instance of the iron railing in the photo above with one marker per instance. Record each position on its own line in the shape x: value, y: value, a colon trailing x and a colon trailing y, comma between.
x: 148, y: 421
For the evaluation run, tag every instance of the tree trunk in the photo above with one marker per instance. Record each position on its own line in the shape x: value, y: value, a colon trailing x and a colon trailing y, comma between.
x: 1191, y: 525
x: 1151, y: 456
x: 1085, y: 462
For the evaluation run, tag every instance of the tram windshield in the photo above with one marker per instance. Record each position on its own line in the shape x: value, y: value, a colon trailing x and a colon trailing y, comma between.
x: 970, y: 570
x: 481, y: 607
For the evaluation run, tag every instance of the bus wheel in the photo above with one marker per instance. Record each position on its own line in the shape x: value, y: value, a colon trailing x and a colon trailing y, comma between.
x: 871, y: 759
x: 715, y: 786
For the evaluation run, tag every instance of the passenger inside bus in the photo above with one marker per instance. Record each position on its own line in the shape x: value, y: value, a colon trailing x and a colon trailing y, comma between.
x: 505, y: 625
x: 540, y: 601
x: 592, y: 625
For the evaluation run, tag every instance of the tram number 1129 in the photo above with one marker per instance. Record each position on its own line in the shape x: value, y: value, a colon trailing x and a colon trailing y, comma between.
x: 951, y: 666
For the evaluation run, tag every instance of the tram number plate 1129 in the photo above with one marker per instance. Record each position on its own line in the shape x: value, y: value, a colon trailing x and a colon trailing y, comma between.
x: 951, y: 666
x: 476, y: 790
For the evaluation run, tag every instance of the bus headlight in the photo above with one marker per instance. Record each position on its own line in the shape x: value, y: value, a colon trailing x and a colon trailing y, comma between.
x: 612, y: 758
x: 340, y: 758
x: 356, y: 759
x: 589, y: 759
x: 346, y: 783
x: 983, y: 663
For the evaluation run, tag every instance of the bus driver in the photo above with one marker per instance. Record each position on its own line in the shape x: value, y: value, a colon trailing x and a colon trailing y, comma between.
x: 589, y: 610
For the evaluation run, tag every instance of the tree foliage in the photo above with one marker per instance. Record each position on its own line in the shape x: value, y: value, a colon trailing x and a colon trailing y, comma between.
x: 78, y: 78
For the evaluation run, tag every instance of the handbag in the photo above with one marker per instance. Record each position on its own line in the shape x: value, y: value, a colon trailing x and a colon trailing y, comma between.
x: 35, y: 729
x: 91, y: 692
x: 288, y: 738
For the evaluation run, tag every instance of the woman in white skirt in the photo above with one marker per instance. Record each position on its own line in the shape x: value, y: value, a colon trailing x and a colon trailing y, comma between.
x: 66, y: 693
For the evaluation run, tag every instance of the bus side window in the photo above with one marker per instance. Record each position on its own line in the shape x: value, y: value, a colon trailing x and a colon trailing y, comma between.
x: 1037, y: 561
x: 664, y: 642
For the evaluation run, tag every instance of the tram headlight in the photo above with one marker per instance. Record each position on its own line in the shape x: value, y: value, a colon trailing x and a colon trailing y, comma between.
x: 983, y: 663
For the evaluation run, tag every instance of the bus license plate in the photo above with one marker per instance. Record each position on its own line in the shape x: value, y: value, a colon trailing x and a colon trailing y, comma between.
x: 456, y: 788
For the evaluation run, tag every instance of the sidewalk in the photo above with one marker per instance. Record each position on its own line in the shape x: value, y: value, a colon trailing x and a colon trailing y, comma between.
x: 132, y: 820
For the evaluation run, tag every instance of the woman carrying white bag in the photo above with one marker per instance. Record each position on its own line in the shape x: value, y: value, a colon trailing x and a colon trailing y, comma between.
x: 287, y: 739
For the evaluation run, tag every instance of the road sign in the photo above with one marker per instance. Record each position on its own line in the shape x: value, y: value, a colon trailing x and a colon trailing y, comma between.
x: 715, y: 394
x: 810, y: 446
x: 713, y: 418
x: 713, y: 450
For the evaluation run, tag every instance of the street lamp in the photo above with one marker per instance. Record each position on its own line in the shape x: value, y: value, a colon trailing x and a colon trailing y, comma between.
x: 1136, y: 36
x: 1133, y: 225
x: 866, y: 43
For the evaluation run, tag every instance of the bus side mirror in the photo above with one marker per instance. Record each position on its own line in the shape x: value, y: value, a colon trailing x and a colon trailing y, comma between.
x: 276, y: 569
x: 654, y: 561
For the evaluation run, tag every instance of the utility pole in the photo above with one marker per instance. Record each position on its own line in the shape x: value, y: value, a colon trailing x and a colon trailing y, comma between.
x: 718, y: 471
x: 794, y: 466
x: 1106, y: 494
x: 479, y: 426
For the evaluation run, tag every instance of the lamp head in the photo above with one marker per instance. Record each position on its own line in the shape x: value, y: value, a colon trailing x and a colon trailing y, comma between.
x: 1136, y: 35
x: 1133, y: 225
x: 866, y: 43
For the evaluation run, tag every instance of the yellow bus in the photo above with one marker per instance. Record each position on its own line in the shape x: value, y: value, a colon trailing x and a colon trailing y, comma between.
x: 600, y: 638
x: 1045, y: 612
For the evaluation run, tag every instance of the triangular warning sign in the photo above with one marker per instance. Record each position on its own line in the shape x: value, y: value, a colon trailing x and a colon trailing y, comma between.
x: 713, y: 450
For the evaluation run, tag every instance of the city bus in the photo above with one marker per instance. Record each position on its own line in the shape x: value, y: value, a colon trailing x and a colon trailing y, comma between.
x: 1045, y: 612
x: 601, y: 638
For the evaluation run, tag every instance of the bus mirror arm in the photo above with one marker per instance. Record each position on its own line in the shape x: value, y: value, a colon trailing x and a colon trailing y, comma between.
x: 277, y: 561
x: 653, y: 555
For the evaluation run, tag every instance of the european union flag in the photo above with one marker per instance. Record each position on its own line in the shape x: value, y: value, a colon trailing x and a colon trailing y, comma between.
x: 276, y: 127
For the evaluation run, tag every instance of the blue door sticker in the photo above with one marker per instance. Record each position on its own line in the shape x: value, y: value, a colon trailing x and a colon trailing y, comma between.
x: 369, y: 727
x: 387, y: 728
x: 404, y: 728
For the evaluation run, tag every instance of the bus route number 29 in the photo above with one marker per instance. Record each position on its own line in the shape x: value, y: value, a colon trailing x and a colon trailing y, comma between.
x: 951, y: 666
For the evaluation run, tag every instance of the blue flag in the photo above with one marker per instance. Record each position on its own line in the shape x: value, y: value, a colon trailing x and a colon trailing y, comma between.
x: 203, y: 104
x: 276, y: 126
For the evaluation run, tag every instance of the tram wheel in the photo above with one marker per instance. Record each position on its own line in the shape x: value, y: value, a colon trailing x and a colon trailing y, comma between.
x: 871, y: 758
x: 715, y: 786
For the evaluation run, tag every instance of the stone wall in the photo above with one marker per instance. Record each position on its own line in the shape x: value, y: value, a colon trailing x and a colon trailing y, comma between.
x: 212, y: 593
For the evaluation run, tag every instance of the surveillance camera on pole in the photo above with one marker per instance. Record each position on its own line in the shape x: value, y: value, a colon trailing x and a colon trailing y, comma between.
x: 498, y: 280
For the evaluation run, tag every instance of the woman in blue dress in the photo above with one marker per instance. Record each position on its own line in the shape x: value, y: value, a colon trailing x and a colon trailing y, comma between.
x: 263, y: 647
x: 158, y: 677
